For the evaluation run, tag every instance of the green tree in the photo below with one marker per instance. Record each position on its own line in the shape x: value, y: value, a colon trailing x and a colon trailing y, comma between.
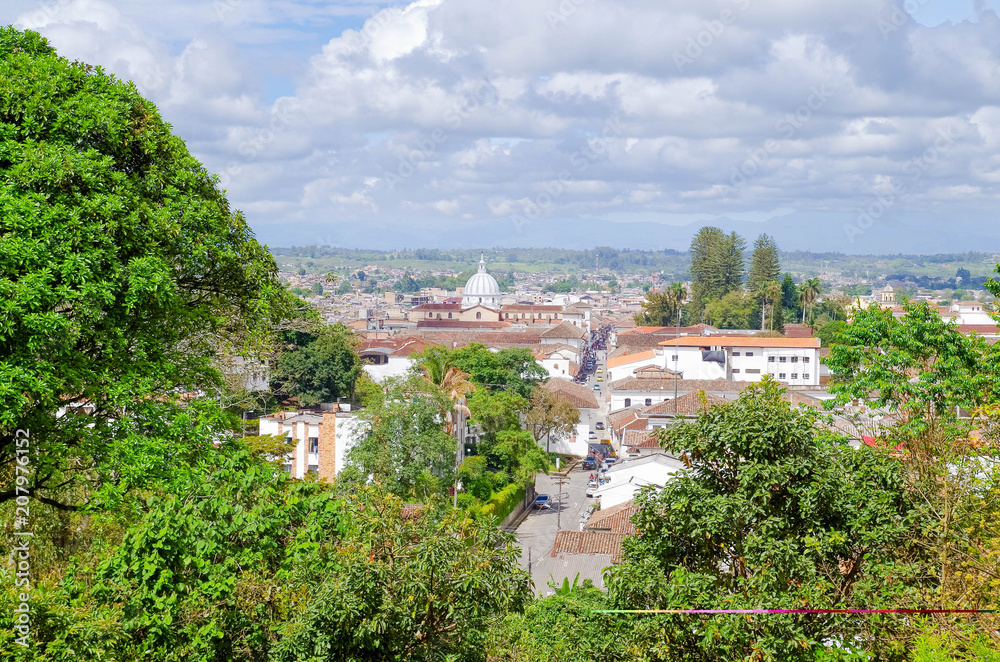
x: 317, y: 289
x: 550, y: 413
x: 771, y: 512
x: 790, y: 298
x: 496, y: 411
x: 765, y: 265
x: 663, y: 308
x: 809, y: 291
x: 125, y: 271
x: 733, y: 311
x: 405, y: 438
x: 716, y: 266
x: 323, y: 368
x: 511, y: 368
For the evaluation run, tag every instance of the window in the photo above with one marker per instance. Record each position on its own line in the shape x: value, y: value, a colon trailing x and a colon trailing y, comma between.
x: 782, y: 359
x: 795, y: 359
x: 479, y: 316
x: 770, y: 359
x: 781, y: 375
x: 795, y: 375
x: 522, y: 315
x: 628, y: 402
x: 449, y: 315
x: 749, y: 353
x: 736, y: 353
x: 805, y: 375
x: 673, y: 358
x: 649, y: 401
x: 735, y: 370
x: 805, y: 359
x: 506, y: 316
x: 313, y: 444
x: 430, y: 314
x: 753, y: 371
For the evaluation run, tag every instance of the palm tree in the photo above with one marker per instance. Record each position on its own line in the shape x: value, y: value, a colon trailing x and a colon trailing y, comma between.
x: 809, y: 291
x: 676, y: 295
x: 770, y: 293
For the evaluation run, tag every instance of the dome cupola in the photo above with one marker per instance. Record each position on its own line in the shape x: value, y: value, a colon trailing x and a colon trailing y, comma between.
x: 482, y: 289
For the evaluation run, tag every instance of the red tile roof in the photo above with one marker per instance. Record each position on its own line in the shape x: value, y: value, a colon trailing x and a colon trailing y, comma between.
x: 616, y: 519
x: 589, y: 542
x: 689, y: 404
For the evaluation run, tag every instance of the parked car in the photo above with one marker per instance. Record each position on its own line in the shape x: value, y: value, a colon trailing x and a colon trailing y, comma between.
x: 597, y: 387
x: 542, y: 501
x: 590, y: 463
x: 591, y: 491
x: 599, y: 425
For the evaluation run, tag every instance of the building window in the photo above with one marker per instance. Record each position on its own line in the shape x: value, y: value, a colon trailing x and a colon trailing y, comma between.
x: 795, y: 359
x: 781, y: 375
x: 782, y: 359
x: 805, y: 359
x: 313, y: 444
x: 749, y: 354
x: 506, y: 316
x: 753, y: 371
x: 479, y: 316
x: 736, y: 353
x: 649, y: 401
x: 736, y: 370
x: 628, y: 402
x: 770, y: 359
x: 522, y: 315
x: 449, y: 315
x: 805, y: 375
x: 673, y: 358
x: 430, y: 314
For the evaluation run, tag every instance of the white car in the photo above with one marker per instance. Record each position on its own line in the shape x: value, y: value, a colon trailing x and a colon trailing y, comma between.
x: 592, y: 490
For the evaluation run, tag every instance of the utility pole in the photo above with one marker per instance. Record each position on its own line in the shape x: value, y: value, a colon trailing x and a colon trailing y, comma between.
x: 559, y: 480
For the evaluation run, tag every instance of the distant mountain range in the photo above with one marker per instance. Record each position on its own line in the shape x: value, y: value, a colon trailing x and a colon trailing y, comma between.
x: 819, y: 232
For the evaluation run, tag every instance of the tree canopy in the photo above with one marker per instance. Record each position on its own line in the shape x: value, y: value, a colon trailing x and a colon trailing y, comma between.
x: 123, y: 268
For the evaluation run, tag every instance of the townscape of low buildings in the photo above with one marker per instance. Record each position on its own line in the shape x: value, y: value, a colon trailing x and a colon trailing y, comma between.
x: 646, y: 378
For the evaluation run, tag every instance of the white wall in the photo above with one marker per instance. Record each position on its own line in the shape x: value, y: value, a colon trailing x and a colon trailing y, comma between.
x: 397, y: 366
x: 626, y: 369
x: 577, y: 443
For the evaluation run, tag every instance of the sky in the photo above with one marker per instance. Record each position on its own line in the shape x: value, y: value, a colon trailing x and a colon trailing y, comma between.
x: 368, y: 119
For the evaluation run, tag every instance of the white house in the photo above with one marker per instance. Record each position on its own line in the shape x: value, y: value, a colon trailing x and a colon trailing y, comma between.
x: 629, y: 476
x: 562, y: 361
x: 794, y: 361
x: 387, y: 358
x: 621, y: 367
x: 577, y: 442
x: 565, y: 334
x: 323, y: 439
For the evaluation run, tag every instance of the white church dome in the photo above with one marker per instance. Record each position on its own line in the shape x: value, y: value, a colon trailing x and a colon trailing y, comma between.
x: 482, y: 289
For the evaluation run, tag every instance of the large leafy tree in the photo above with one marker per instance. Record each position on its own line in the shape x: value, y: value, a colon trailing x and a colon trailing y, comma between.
x: 406, y: 448
x: 513, y: 368
x: 663, y: 308
x: 321, y: 366
x: 550, y: 413
x: 123, y: 269
x: 771, y: 514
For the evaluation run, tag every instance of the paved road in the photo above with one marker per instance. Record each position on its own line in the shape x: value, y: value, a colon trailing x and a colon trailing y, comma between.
x: 537, y: 532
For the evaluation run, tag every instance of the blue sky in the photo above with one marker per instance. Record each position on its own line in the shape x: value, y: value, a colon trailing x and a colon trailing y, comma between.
x: 327, y: 119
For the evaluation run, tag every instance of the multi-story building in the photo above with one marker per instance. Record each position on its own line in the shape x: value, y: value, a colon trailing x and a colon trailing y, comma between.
x: 794, y: 361
x: 322, y: 439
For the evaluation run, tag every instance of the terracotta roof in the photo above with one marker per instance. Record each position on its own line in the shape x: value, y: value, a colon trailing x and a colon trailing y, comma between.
x: 697, y: 329
x: 578, y: 395
x: 451, y: 307
x: 798, y: 331
x: 565, y: 330
x: 689, y: 404
x: 530, y: 308
x: 981, y: 329
x: 742, y: 341
x: 620, y: 419
x: 640, y: 438
x: 631, y: 358
x: 589, y: 542
x: 636, y: 383
x: 616, y: 519
x: 458, y: 324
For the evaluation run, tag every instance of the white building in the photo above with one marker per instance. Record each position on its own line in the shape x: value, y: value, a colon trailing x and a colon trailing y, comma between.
x: 794, y: 361
x: 482, y: 289
x: 576, y: 443
x: 323, y: 439
x: 629, y: 476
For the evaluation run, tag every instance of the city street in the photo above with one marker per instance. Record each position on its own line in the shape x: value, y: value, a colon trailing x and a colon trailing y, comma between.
x: 537, y: 532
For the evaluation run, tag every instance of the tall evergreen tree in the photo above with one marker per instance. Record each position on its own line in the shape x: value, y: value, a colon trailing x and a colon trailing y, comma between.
x: 716, y: 266
x: 790, y: 297
x: 765, y: 266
